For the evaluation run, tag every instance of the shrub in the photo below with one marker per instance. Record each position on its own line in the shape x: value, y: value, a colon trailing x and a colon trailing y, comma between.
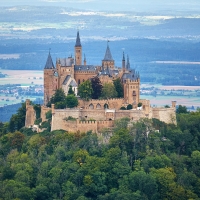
x: 139, y: 104
x: 129, y: 107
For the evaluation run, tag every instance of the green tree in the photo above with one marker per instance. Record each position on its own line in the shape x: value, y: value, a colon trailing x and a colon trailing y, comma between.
x: 17, y: 121
x: 119, y: 88
x: 85, y: 90
x: 108, y: 91
x: 70, y: 91
x: 181, y: 109
x: 59, y: 99
x: 97, y: 87
x: 71, y: 101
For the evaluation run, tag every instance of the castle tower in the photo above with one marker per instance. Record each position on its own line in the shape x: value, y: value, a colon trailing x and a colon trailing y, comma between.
x: 123, y: 63
x: 49, y: 79
x: 78, y: 50
x: 108, y: 60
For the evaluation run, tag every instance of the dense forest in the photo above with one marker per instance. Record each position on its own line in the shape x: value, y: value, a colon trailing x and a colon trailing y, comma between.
x: 147, y: 160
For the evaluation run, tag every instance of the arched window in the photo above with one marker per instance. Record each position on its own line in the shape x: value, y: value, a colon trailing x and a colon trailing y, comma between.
x: 106, y: 106
x: 98, y: 106
x: 91, y: 106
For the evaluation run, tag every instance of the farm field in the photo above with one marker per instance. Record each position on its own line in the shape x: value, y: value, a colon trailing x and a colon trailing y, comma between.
x: 23, y: 77
x: 26, y: 78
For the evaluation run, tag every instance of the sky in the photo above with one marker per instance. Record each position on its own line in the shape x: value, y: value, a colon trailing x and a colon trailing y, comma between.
x: 114, y: 5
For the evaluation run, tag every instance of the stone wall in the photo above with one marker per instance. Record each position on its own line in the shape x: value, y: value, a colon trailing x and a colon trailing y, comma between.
x: 82, y: 126
x: 44, y: 110
x: 30, y: 114
x: 96, y: 104
x: 167, y: 115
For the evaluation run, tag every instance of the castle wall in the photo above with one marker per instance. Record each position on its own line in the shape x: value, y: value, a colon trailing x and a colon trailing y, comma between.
x: 167, y: 115
x: 30, y: 114
x: 96, y: 104
x: 81, y: 76
x: 84, y: 126
x: 44, y: 110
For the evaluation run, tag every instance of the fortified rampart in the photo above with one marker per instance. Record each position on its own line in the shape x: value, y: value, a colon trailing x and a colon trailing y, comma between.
x: 30, y: 114
x: 95, y: 116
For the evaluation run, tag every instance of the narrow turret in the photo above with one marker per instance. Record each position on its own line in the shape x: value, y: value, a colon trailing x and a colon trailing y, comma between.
x: 78, y: 50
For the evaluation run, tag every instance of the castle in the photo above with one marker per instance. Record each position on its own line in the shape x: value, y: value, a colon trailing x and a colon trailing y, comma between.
x: 95, y: 114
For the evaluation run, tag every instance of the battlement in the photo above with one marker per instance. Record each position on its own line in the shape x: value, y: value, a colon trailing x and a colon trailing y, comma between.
x: 133, y: 81
x: 85, y: 72
x: 88, y: 122
x: 106, y: 100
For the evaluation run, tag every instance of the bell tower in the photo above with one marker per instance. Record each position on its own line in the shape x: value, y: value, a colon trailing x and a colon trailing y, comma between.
x: 78, y: 50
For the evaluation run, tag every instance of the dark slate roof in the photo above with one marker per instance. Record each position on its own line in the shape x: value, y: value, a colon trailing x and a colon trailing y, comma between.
x: 105, y: 72
x: 73, y: 83
x: 78, y: 41
x: 65, y: 61
x: 108, y: 55
x: 114, y: 72
x: 66, y: 79
x: 49, y: 63
x: 131, y: 75
x: 84, y: 68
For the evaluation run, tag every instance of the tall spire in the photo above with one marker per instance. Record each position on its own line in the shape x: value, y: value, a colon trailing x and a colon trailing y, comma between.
x: 123, y: 59
x: 49, y: 63
x: 128, y: 63
x: 123, y: 63
x: 84, y: 60
x: 108, y: 55
x: 78, y: 41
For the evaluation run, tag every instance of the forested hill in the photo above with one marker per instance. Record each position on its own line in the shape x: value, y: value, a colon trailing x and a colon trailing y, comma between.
x: 138, y: 162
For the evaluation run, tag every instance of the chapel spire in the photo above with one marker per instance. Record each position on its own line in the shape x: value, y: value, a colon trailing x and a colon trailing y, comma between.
x: 78, y: 50
x: 49, y: 62
x: 78, y: 41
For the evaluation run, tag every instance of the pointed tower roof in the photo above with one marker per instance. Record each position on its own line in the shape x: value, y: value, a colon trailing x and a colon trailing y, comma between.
x: 78, y: 41
x: 123, y: 58
x: 128, y: 63
x: 84, y: 58
x: 49, y: 63
x: 108, y: 55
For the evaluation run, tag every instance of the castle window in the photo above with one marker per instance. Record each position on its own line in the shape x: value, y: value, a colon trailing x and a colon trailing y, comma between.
x: 83, y: 80
x: 79, y: 81
x: 91, y: 106
x: 98, y: 106
x: 106, y: 106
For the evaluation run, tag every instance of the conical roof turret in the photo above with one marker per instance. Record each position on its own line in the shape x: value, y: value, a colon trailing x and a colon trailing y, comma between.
x: 108, y: 55
x: 78, y: 41
x: 49, y: 63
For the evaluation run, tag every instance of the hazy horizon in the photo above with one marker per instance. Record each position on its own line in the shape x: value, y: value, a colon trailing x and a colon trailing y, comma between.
x: 113, y: 5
